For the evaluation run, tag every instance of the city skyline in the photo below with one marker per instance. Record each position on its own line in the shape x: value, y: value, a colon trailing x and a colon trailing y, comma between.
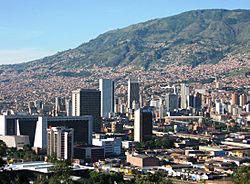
x: 30, y: 30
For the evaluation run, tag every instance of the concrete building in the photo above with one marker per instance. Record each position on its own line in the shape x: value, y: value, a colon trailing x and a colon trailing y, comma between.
x: 82, y: 126
x: 89, y: 153
x: 106, y: 86
x: 242, y: 100
x: 133, y: 92
x: 18, y: 125
x: 235, y: 99
x: 143, y: 124
x: 112, y: 146
x: 15, y: 141
x: 68, y: 104
x: 171, y: 102
x: 184, y: 93
x: 60, y: 142
x: 140, y: 160
x: 87, y: 102
x: 36, y: 127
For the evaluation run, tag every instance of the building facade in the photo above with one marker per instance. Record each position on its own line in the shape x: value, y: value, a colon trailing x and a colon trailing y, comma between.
x: 133, y: 92
x: 106, y: 87
x: 87, y: 102
x: 60, y: 142
x: 184, y: 95
x: 112, y: 146
x: 82, y: 126
x: 171, y: 102
x: 143, y: 124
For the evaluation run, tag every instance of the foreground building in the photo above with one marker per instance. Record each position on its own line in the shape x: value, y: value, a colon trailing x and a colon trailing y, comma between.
x: 60, y: 142
x: 15, y: 141
x: 36, y: 127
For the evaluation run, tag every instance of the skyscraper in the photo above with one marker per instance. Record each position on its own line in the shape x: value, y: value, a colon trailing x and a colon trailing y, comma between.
x: 106, y: 86
x: 171, y: 102
x: 60, y: 142
x: 235, y: 98
x: 184, y: 94
x: 87, y: 102
x: 143, y: 124
x: 242, y: 99
x: 68, y: 106
x: 133, y: 92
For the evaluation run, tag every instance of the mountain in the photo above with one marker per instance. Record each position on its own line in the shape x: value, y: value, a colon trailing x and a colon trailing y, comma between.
x: 190, y: 38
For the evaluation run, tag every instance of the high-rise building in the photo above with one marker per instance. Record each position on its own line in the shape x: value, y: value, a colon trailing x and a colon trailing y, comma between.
x: 87, y: 102
x: 184, y: 94
x: 133, y: 92
x: 60, y: 142
x: 242, y: 99
x: 68, y: 104
x: 59, y: 104
x: 171, y: 102
x: 235, y: 99
x: 190, y: 100
x: 143, y: 124
x: 197, y: 101
x: 106, y: 86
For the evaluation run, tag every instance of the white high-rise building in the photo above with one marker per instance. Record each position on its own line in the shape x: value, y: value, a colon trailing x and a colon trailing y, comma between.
x: 184, y: 94
x: 60, y: 142
x: 133, y: 92
x: 106, y: 86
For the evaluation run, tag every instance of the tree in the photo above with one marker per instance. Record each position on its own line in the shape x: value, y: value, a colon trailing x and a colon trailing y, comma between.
x: 242, y: 175
x: 157, y: 178
x: 104, y: 178
x: 61, y: 172
x: 3, y: 148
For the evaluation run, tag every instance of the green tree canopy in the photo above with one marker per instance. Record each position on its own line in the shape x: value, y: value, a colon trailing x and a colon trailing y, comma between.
x: 242, y: 175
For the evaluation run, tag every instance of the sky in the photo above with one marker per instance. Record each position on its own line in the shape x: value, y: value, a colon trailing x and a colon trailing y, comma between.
x: 32, y: 29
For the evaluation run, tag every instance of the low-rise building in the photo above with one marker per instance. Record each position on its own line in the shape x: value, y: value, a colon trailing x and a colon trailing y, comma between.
x: 16, y: 141
x: 112, y: 146
x: 141, y: 160
x: 89, y: 153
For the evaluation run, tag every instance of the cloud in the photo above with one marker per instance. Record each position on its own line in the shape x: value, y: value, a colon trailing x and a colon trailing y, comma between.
x: 12, y: 56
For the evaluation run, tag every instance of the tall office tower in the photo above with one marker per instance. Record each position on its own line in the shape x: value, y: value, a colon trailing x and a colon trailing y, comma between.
x: 171, y: 102
x: 68, y: 105
x: 133, y: 92
x: 143, y: 124
x: 87, y: 102
x: 197, y: 101
x: 106, y: 86
x: 60, y: 142
x: 184, y: 93
x: 59, y: 104
x: 243, y: 99
x: 190, y: 100
x: 235, y: 99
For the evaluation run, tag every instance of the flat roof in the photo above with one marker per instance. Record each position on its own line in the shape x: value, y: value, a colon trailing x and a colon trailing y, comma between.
x: 40, y: 166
